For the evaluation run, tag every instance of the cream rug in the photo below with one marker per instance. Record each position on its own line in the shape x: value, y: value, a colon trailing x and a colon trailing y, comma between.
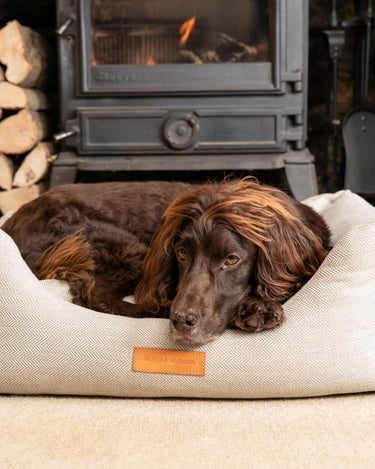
x: 67, y: 432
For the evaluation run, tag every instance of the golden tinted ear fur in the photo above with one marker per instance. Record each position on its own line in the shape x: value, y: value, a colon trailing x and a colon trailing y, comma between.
x: 289, y: 237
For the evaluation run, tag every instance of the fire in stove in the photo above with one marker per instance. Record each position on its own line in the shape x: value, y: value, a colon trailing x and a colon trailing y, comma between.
x: 186, y: 29
x: 128, y: 38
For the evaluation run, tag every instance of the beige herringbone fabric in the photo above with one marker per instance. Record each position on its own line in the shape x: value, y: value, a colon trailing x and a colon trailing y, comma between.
x: 327, y: 345
x: 342, y: 211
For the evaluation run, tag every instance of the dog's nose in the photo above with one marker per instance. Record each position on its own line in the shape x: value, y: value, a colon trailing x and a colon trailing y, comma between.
x: 183, y: 321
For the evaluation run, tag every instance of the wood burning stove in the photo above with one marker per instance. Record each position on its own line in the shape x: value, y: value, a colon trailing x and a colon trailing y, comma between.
x: 184, y: 85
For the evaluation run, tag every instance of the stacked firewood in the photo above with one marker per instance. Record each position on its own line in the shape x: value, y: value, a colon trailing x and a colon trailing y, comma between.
x: 25, y: 149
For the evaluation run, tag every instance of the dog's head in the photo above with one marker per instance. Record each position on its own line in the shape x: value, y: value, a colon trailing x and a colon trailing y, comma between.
x: 218, y: 245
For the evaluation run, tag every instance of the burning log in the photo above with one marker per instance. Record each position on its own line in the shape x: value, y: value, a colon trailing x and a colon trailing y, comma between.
x: 210, y: 56
x: 15, y: 97
x: 20, y: 132
x: 188, y: 57
x: 35, y: 165
x: 230, y: 50
x: 25, y: 54
x: 6, y: 172
x: 225, y: 49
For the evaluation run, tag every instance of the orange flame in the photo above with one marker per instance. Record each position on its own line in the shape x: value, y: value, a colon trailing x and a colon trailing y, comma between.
x: 150, y: 61
x: 185, y: 30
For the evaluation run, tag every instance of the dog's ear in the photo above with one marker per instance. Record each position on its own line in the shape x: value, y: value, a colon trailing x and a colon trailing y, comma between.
x: 160, y: 272
x: 289, y: 237
x: 292, y: 253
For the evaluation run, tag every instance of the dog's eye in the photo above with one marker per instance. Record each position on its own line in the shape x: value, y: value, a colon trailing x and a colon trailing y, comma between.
x: 231, y: 260
x: 181, y: 254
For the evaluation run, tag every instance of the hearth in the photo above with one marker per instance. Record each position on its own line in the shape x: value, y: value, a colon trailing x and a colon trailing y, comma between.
x: 150, y: 85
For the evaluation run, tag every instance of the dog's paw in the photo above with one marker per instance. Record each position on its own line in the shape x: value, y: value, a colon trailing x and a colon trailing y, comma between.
x: 255, y: 314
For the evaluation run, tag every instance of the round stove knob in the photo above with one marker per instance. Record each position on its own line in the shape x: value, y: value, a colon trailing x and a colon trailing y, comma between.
x: 181, y: 130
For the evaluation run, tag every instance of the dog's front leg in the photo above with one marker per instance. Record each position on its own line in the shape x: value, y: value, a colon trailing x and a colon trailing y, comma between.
x: 104, y: 303
x: 255, y: 314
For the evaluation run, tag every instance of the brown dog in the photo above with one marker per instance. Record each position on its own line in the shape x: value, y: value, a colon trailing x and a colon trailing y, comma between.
x: 222, y: 254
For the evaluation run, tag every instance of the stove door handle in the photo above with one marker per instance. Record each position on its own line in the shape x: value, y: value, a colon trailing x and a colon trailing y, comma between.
x: 63, y: 135
x: 61, y: 30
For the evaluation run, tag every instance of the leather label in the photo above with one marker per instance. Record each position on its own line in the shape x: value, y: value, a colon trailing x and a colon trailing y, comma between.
x: 175, y: 362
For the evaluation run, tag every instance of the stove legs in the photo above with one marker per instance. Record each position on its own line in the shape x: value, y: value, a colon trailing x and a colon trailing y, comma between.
x: 63, y: 175
x: 301, y: 176
x: 301, y: 179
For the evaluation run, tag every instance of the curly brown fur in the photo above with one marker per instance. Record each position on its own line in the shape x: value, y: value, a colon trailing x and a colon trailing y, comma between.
x: 222, y: 254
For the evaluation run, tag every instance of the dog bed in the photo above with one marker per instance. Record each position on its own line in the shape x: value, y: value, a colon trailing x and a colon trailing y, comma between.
x: 326, y: 346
